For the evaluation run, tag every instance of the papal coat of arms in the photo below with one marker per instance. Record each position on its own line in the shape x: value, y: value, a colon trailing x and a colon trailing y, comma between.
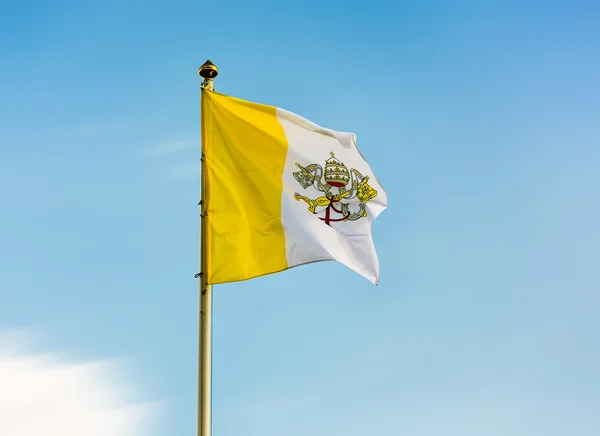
x: 349, y: 184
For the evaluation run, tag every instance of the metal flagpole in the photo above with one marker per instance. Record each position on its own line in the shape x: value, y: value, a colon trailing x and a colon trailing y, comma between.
x: 208, y: 72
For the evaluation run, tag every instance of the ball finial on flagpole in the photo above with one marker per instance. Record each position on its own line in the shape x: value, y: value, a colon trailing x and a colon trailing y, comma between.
x: 208, y: 72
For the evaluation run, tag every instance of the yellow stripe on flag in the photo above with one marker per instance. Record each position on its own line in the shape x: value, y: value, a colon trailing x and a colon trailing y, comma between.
x: 245, y: 152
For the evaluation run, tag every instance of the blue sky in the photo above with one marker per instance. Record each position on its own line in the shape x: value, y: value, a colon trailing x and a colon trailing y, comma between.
x: 479, y: 119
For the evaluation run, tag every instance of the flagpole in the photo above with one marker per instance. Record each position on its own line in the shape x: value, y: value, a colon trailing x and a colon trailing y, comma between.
x: 208, y: 72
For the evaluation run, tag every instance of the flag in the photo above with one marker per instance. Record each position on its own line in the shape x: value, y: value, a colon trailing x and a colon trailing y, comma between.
x: 281, y: 191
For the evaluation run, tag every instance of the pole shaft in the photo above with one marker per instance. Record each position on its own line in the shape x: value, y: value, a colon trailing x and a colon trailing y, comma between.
x: 204, y: 367
x: 205, y: 309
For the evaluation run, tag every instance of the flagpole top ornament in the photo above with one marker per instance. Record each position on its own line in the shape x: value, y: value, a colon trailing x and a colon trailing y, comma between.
x: 208, y: 71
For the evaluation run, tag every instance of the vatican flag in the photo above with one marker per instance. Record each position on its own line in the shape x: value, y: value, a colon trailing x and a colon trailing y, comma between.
x: 280, y: 191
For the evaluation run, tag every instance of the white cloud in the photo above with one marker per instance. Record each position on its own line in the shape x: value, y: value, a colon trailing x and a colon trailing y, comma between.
x: 52, y: 395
